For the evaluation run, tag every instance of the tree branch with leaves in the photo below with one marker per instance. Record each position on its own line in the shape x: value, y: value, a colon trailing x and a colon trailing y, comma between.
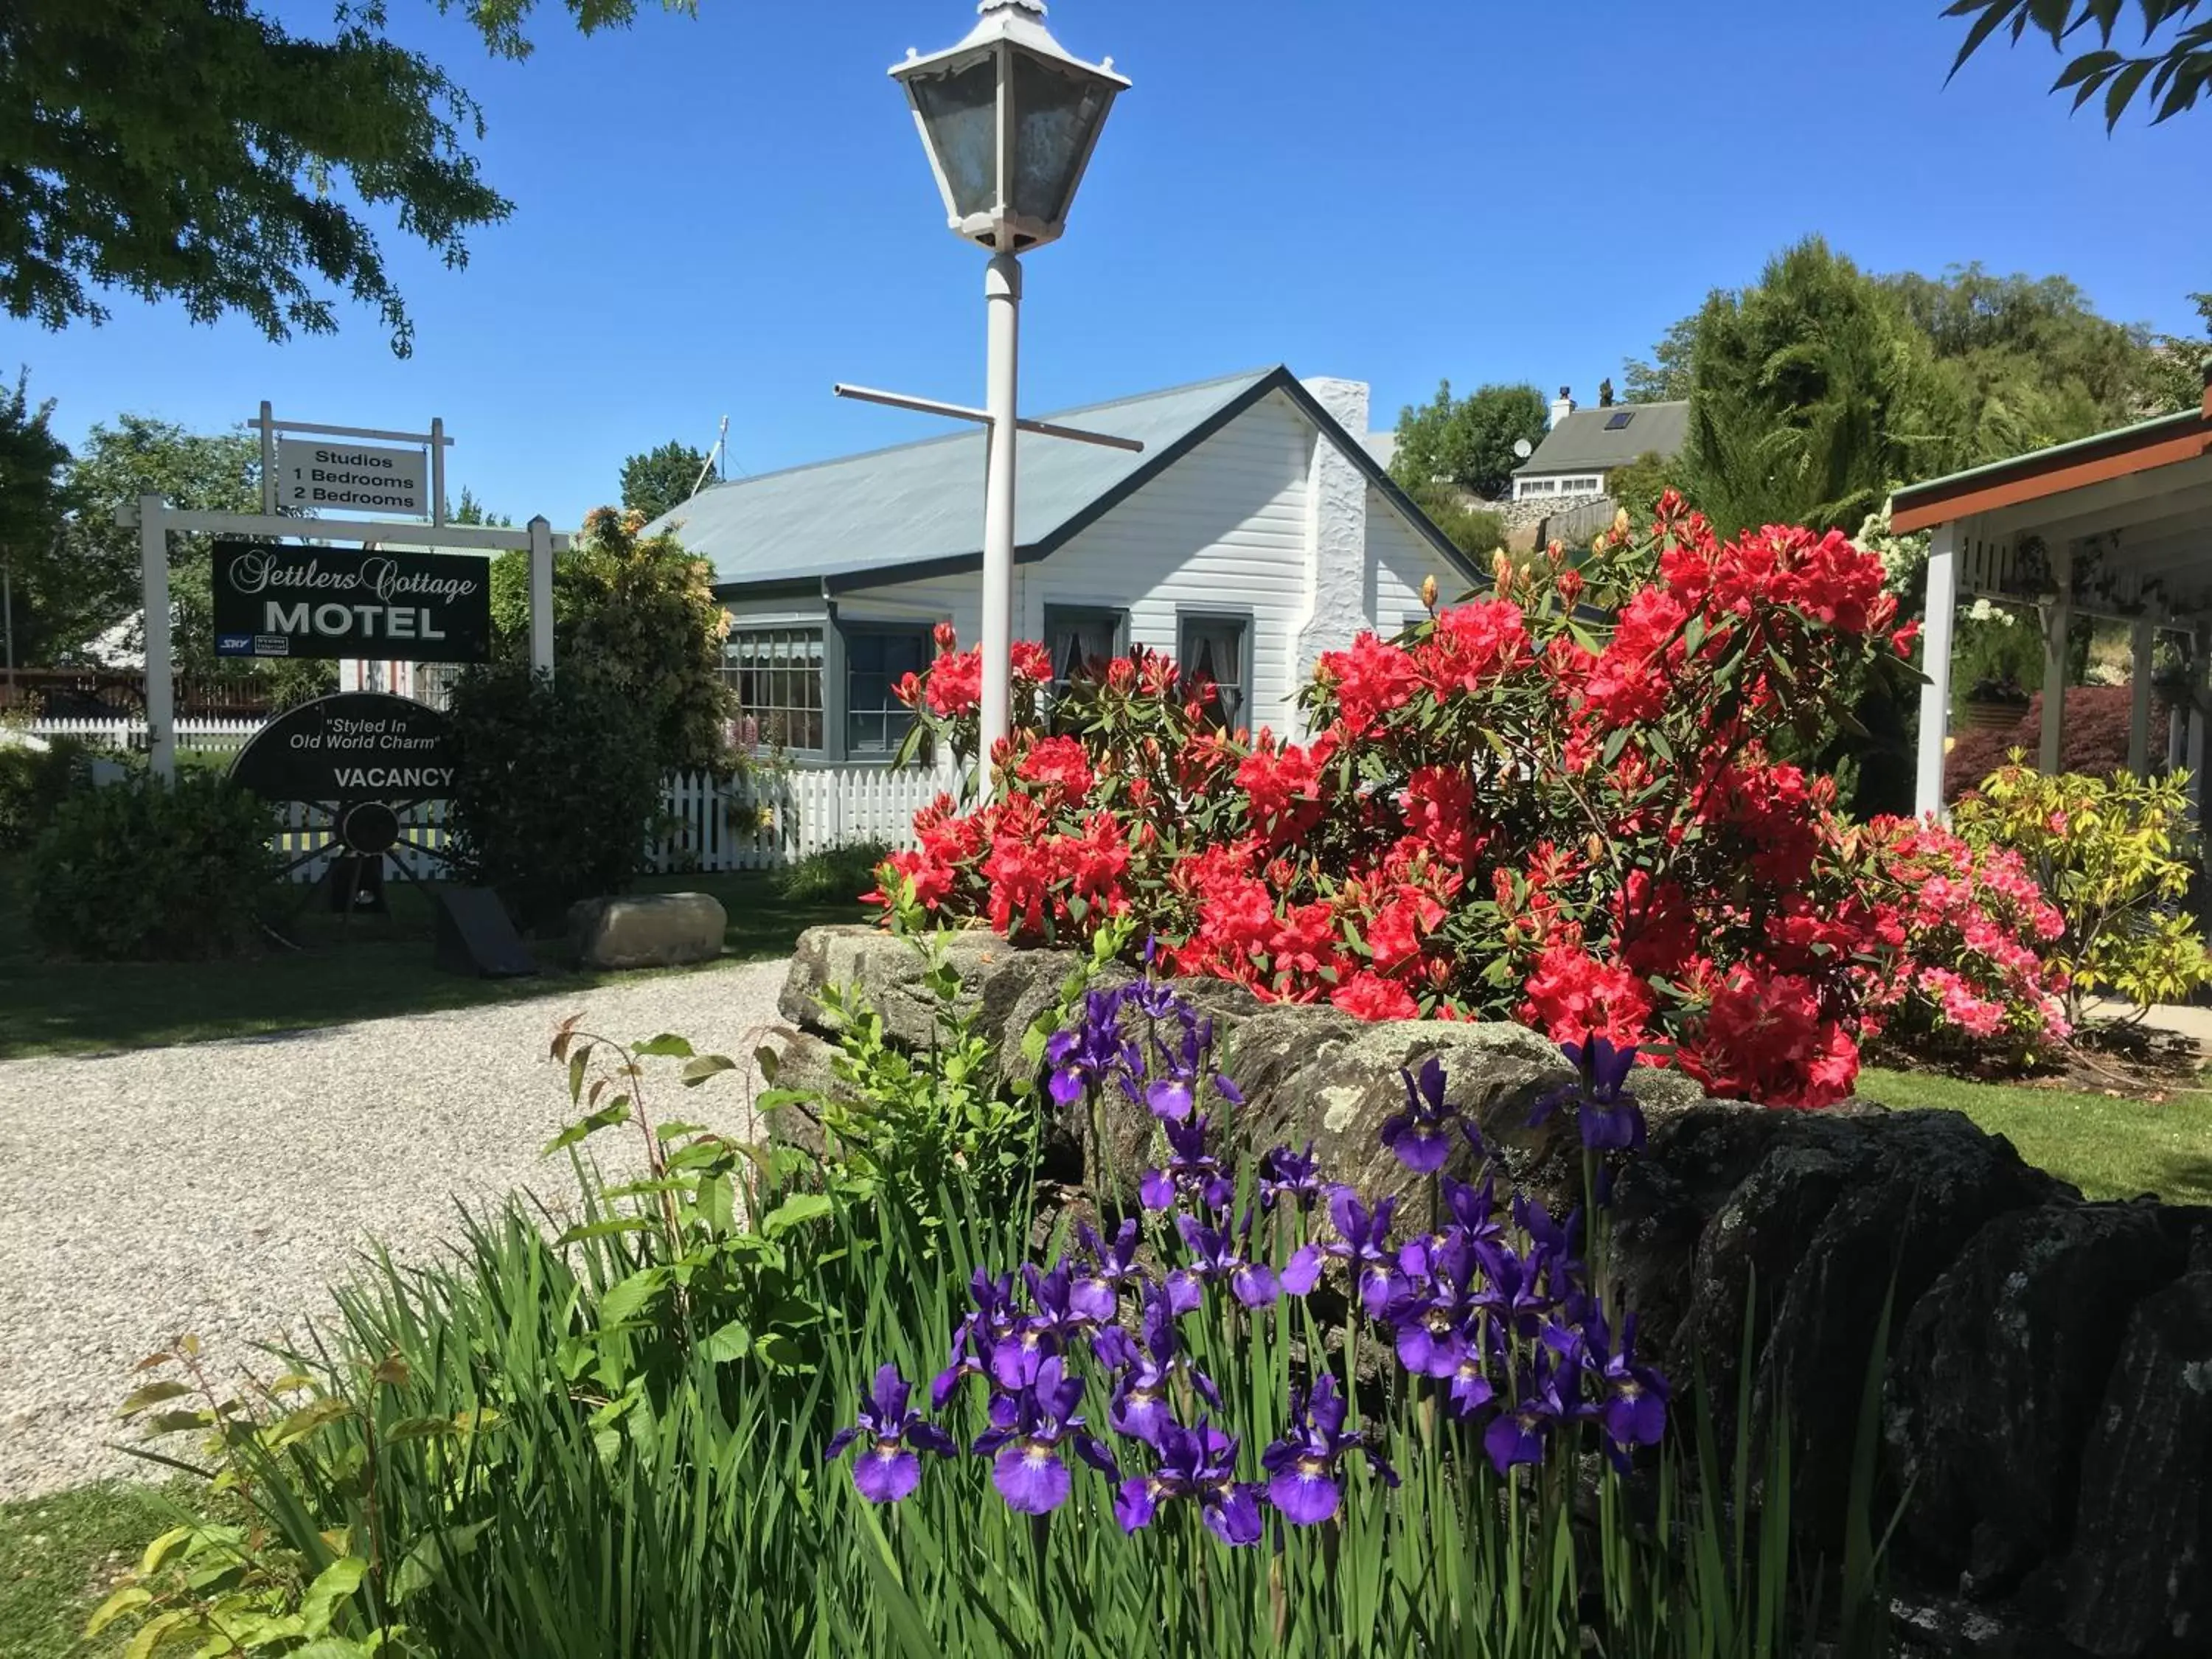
x: 2172, y: 71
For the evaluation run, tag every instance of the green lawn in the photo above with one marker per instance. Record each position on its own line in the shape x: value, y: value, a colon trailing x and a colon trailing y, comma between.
x: 60, y: 1556
x: 2108, y: 1148
x: 359, y: 968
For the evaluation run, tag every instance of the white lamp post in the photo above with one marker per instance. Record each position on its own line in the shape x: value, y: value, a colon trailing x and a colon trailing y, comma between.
x: 1009, y: 119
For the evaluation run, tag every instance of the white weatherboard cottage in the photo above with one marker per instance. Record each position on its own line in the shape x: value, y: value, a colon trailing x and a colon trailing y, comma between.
x: 1255, y: 532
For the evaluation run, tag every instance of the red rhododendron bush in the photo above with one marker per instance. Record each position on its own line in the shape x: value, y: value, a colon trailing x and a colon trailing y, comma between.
x: 1558, y: 803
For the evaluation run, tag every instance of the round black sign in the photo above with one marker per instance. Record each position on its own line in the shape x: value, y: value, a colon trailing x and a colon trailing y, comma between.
x: 355, y: 746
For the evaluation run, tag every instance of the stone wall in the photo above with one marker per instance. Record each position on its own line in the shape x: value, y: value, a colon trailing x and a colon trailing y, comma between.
x: 2047, y: 1403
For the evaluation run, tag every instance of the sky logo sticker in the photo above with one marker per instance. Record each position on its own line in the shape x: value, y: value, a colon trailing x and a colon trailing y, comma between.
x: 233, y: 645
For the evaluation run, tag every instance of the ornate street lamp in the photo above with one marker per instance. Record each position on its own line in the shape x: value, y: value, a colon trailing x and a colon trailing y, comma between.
x: 1009, y: 117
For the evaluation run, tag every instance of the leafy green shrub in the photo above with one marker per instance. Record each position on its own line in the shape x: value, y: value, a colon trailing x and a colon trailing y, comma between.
x: 836, y: 872
x: 141, y: 870
x: 33, y: 783
x: 556, y: 789
x: 2115, y: 857
x: 902, y: 1127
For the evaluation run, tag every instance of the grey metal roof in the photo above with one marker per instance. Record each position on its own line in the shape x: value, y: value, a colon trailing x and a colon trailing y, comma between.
x: 1581, y: 443
x: 921, y: 503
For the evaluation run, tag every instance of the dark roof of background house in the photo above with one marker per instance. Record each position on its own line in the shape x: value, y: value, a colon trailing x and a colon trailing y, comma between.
x: 1583, y: 442
x: 917, y: 509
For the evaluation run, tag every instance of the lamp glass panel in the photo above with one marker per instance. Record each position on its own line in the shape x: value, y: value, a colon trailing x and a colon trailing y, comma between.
x: 1056, y: 116
x: 959, y: 109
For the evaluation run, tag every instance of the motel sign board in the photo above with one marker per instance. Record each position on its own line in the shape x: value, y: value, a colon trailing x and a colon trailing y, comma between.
x: 330, y: 474
x: 274, y: 600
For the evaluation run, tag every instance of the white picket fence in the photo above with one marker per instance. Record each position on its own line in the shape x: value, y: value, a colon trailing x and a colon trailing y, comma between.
x: 132, y: 734
x: 760, y: 820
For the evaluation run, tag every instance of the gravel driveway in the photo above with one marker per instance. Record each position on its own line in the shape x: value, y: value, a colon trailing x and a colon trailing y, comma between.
x: 219, y: 1188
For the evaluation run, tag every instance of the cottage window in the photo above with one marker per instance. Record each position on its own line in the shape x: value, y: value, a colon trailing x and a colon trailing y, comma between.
x: 1083, y: 638
x: 1218, y: 649
x: 776, y: 673
x: 876, y: 660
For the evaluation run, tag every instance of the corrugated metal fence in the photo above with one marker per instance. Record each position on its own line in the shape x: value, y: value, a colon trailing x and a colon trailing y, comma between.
x: 760, y: 820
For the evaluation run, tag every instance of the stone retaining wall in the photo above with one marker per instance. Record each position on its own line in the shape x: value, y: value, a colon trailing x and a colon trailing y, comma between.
x: 2048, y: 1398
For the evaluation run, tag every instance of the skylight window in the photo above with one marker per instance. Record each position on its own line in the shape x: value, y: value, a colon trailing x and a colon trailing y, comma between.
x: 1620, y: 419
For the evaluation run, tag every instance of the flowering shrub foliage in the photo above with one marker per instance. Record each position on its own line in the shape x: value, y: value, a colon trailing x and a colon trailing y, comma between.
x: 1510, y: 811
x: 1102, y: 1359
x: 2113, y: 858
x: 1975, y: 934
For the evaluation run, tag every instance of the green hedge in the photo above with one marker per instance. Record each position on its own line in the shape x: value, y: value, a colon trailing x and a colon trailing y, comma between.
x: 143, y: 871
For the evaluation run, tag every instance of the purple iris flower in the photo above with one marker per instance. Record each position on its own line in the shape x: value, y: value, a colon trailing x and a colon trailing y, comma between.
x: 1469, y: 1387
x: 978, y: 1334
x: 1197, y: 1464
x: 1433, y: 1315
x: 888, y: 1469
x: 1096, y: 1291
x: 1547, y: 1238
x: 1473, y: 1210
x: 1154, y: 999
x: 1023, y: 1441
x: 1510, y: 1288
x: 1191, y: 1168
x: 1218, y: 1255
x: 1304, y: 1484
x: 1058, y: 1319
x: 1606, y: 1113
x: 1183, y: 1290
x: 1362, y: 1242
x: 1632, y: 1397
x: 1284, y: 1174
x: 1139, y: 1408
x: 1420, y: 1136
x: 1517, y: 1434
x: 1087, y: 1053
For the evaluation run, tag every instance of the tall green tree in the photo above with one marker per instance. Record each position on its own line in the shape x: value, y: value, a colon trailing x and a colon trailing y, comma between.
x: 472, y: 512
x: 32, y: 500
x: 661, y: 478
x: 2176, y: 377
x: 216, y: 472
x: 1819, y: 387
x: 1468, y: 442
x: 1811, y: 395
x: 1665, y: 379
x: 636, y: 614
x: 200, y: 150
x: 2171, y: 71
x: 2028, y: 362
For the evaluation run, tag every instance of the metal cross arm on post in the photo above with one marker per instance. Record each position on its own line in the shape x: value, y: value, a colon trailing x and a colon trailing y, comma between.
x: 486, y: 538
x: 982, y: 418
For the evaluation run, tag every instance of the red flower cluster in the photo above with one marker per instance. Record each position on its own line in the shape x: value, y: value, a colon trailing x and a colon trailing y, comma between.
x: 1514, y: 811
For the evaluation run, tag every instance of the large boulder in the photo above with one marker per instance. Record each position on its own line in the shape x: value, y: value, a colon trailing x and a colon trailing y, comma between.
x: 647, y: 930
x: 2000, y: 1370
x: 2140, y: 1579
x: 1003, y: 988
x: 1930, y: 1181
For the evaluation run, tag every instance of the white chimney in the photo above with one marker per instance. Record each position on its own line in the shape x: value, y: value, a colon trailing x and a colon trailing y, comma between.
x: 1336, y: 606
x: 1563, y: 405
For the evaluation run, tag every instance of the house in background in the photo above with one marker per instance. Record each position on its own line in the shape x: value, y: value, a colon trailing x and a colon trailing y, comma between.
x: 1254, y: 531
x: 1584, y: 446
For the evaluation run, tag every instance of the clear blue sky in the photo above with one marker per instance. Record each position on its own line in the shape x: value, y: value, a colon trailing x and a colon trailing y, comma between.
x: 724, y: 214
